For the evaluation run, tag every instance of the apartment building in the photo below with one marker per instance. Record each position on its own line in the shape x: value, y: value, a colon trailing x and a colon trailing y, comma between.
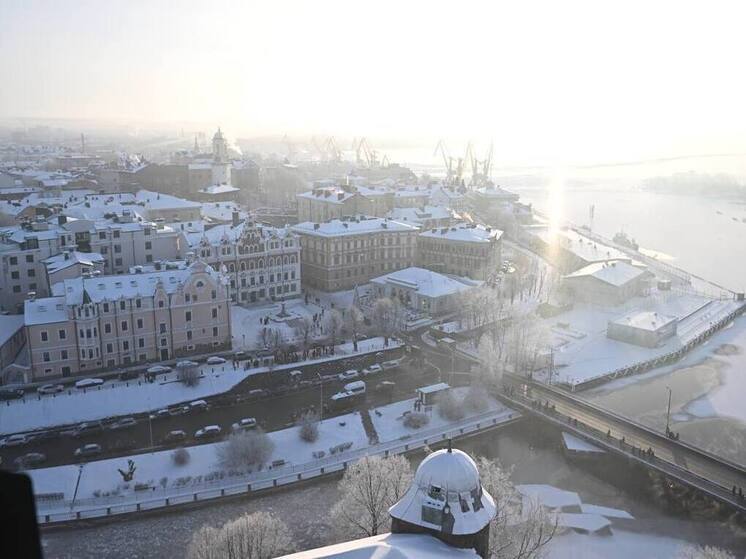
x: 330, y: 201
x: 261, y: 262
x: 95, y: 323
x: 467, y: 250
x: 152, y: 206
x: 342, y: 253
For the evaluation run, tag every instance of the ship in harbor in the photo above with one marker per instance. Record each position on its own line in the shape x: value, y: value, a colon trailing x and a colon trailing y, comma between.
x: 624, y: 240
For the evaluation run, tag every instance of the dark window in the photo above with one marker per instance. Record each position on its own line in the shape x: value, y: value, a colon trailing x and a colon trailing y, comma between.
x: 215, y: 332
x: 148, y: 245
x: 63, y: 354
x: 125, y: 345
x: 139, y: 322
x: 121, y: 305
x: 13, y: 260
x: 188, y: 316
x: 102, y: 235
x: 29, y: 258
x: 109, y: 348
x: 106, y: 307
x: 107, y: 328
x: 138, y: 303
x: 116, y: 234
x: 44, y: 337
x: 214, y: 313
x: 15, y: 275
x: 141, y: 342
x: 62, y: 334
x: 124, y: 326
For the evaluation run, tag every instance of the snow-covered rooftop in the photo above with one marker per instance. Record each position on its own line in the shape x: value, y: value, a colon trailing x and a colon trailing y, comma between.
x: 427, y: 282
x: 387, y: 546
x: 222, y: 211
x: 219, y: 189
x: 467, y: 232
x: 497, y: 193
x: 354, y: 226
x: 580, y: 245
x: 66, y: 259
x: 613, y: 272
x: 418, y: 215
x: 44, y: 311
x: 645, y: 320
x: 9, y: 325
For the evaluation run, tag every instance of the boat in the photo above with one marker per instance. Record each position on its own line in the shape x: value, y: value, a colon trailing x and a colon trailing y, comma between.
x: 623, y: 239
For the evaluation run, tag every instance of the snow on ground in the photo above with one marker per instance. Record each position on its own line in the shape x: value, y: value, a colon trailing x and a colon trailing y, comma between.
x: 621, y: 544
x: 582, y: 350
x: 116, y: 398
x: 102, y: 474
x: 390, y: 423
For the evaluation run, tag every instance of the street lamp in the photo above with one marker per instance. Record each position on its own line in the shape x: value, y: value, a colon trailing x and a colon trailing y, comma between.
x: 321, y: 397
x: 668, y: 412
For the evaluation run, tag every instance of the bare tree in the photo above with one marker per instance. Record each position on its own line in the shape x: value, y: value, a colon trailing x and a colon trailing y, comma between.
x: 368, y: 488
x: 260, y: 535
x: 354, y: 320
x: 188, y: 373
x: 309, y: 427
x: 334, y: 324
x: 489, y: 357
x: 706, y: 552
x: 388, y: 317
x: 520, y: 530
x: 271, y: 339
x: 304, y: 331
x: 247, y: 449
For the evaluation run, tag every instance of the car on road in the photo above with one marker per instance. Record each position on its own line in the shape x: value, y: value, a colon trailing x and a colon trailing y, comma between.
x: 158, y: 369
x: 158, y: 414
x: 348, y: 375
x: 50, y: 389
x: 208, y: 432
x: 87, y: 450
x: 215, y: 360
x: 88, y: 428
x: 258, y: 393
x: 175, y: 436
x: 15, y: 440
x: 124, y: 423
x: 356, y: 387
x: 240, y: 356
x: 393, y: 364
x: 30, y: 459
x: 198, y: 405
x: 186, y: 364
x: 129, y: 375
x: 11, y: 393
x: 179, y: 410
x: 372, y: 370
x: 89, y: 383
x: 245, y: 424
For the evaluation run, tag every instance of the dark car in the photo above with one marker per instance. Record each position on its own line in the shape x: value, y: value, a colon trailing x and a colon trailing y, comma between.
x: 11, y: 393
x: 88, y: 450
x: 30, y: 459
x: 128, y: 375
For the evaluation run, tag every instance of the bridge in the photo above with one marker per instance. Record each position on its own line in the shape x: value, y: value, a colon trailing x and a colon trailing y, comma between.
x: 675, y: 459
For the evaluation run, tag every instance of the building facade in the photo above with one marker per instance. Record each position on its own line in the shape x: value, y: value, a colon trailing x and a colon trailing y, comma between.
x: 342, y: 253
x: 325, y: 202
x: 92, y: 324
x: 466, y: 249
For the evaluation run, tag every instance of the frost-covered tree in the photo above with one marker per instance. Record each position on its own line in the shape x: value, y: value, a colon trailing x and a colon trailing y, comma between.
x: 450, y: 406
x: 489, y: 358
x: 304, y: 331
x: 354, y: 319
x: 706, y: 552
x: 248, y: 449
x: 389, y: 317
x: 521, y: 529
x: 369, y: 487
x: 333, y: 325
x: 309, y: 427
x: 260, y: 535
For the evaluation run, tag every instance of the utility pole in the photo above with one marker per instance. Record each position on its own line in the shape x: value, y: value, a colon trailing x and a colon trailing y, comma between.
x: 668, y: 412
x: 321, y: 397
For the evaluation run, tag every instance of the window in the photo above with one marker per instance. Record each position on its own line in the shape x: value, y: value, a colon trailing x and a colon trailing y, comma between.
x: 63, y: 354
x: 138, y: 303
x: 125, y: 345
x: 141, y: 342
x: 118, y: 262
x: 214, y: 313
x: 215, y: 332
x: 146, y: 231
x: 62, y: 334
x: 164, y: 342
x: 106, y: 307
x: 107, y: 328
x: 15, y: 275
x: 189, y: 334
x: 139, y: 322
x: 102, y: 235
x: 109, y: 348
x: 45, y: 356
x: 122, y: 305
x: 188, y: 316
x: 104, y: 250
x: 124, y: 326
x: 16, y: 289
x: 148, y: 258
x: 160, y: 304
x: 163, y: 327
x: 187, y: 297
x: 29, y: 258
x: 214, y: 294
x: 116, y: 233
x: 13, y: 260
x: 88, y: 333
x: 44, y: 336
x: 148, y: 245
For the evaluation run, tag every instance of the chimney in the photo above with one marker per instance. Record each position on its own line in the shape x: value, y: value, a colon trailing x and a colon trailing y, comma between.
x: 235, y: 218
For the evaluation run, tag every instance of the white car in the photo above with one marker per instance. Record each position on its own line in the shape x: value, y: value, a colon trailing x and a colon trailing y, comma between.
x: 393, y: 364
x: 124, y: 423
x: 50, y: 389
x: 199, y: 405
x: 244, y: 424
x: 348, y: 375
x: 208, y: 432
x: 157, y: 369
x: 215, y: 360
x: 372, y: 370
x: 15, y: 440
x: 186, y: 364
x: 92, y: 449
x: 89, y: 383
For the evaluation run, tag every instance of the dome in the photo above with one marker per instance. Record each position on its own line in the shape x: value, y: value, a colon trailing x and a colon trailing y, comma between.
x: 446, y: 495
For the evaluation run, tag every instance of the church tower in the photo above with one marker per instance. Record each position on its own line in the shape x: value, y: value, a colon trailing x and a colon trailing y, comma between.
x: 221, y: 166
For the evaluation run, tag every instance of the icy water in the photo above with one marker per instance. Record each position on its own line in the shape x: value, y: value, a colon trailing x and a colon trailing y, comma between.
x: 533, y: 456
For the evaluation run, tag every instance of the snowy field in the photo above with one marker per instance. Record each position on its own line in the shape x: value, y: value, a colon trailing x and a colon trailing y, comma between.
x: 621, y: 544
x: 582, y: 350
x: 116, y: 398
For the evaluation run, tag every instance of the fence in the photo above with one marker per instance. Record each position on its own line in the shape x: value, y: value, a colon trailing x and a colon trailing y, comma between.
x: 50, y: 513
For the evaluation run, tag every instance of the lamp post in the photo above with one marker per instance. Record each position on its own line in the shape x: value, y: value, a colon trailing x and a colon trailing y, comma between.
x: 321, y: 397
x: 668, y: 412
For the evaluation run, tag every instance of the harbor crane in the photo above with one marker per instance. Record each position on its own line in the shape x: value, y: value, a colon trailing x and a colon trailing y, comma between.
x: 366, y: 156
x: 481, y: 169
x: 454, y: 165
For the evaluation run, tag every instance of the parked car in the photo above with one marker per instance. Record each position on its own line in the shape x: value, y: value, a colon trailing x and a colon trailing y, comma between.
x: 158, y: 414
x: 88, y: 450
x: 50, y: 389
x: 15, y: 440
x: 89, y: 383
x: 393, y: 364
x: 348, y: 375
x: 186, y: 364
x: 208, y: 432
x: 372, y: 370
x: 179, y: 410
x: 41, y: 436
x: 124, y: 423
x: 30, y: 459
x: 295, y: 376
x: 88, y: 428
x: 11, y: 393
x: 175, y: 436
x: 357, y: 387
x: 215, y: 360
x: 240, y: 355
x: 199, y: 405
x: 158, y: 369
x: 128, y: 375
x: 245, y: 424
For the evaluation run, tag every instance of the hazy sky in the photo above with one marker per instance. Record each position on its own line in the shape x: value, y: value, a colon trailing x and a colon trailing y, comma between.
x: 556, y: 79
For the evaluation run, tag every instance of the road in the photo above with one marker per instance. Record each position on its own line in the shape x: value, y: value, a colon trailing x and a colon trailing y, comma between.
x: 273, y: 411
x: 690, y: 465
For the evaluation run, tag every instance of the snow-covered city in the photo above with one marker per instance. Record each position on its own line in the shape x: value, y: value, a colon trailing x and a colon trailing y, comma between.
x: 247, y: 311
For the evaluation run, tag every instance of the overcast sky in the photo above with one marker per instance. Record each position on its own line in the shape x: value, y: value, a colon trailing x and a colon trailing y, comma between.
x: 575, y: 80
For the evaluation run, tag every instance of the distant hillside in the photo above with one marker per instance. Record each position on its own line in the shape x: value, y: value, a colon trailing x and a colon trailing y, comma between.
x: 700, y: 184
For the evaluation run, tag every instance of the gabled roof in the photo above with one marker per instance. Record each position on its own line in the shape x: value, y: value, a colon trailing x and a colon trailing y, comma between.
x: 612, y: 272
x: 66, y: 259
